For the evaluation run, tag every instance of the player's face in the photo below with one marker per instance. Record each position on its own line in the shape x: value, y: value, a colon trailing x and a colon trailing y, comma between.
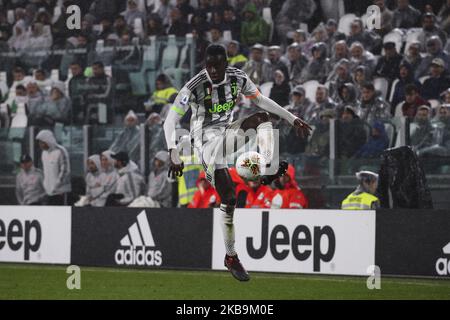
x: 215, y: 66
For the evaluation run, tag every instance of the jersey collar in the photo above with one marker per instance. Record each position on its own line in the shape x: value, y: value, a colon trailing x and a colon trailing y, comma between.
x: 215, y: 85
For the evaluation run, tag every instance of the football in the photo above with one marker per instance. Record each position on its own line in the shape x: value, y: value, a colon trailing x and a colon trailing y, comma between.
x: 250, y: 165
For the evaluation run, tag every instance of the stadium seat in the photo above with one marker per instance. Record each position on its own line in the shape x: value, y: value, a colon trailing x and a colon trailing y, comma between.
x: 398, y: 109
x: 310, y: 89
x: 11, y: 17
x: 411, y: 36
x: 390, y: 131
x: 434, y: 104
x: 344, y: 23
x: 227, y: 37
x: 3, y: 83
x: 138, y: 27
x: 267, y: 16
x: 391, y: 94
x: 381, y: 85
x: 54, y: 75
x: 170, y: 54
x: 265, y: 88
x: 422, y: 79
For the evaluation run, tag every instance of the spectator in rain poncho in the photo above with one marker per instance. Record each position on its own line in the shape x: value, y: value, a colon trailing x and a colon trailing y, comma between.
x: 319, y: 145
x: 159, y: 193
x: 323, y: 102
x: 434, y: 50
x: 156, y: 132
x: 351, y: 134
x: 277, y: 61
x: 421, y: 130
x: 57, y: 108
x: 36, y: 100
x: 253, y: 28
x: 440, y: 140
x: 388, y: 65
x: 38, y: 39
x: 130, y: 184
x: 413, y: 56
x: 361, y: 75
x: 339, y: 76
x: 406, y: 76
x: 405, y: 16
x: 370, y: 40
x: 94, y: 188
x: 258, y: 68
x: 429, y: 29
x: 292, y: 13
x: 347, y: 98
x: 128, y: 139
x: 318, y: 67
x: 377, y: 143
x: 333, y: 35
x: 300, y: 105
x: 280, y: 90
x: 297, y: 61
x: 29, y: 183
x: 133, y: 13
x: 340, y: 51
x: 361, y: 57
x: 373, y: 107
x: 109, y: 176
x: 19, y: 39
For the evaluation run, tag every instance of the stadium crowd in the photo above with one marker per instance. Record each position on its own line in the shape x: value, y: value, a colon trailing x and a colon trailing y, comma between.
x: 339, y: 69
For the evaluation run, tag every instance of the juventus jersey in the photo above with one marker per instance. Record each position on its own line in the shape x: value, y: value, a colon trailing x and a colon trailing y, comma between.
x: 213, y: 104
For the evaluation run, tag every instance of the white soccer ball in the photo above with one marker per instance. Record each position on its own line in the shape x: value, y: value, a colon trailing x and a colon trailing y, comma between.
x: 250, y: 165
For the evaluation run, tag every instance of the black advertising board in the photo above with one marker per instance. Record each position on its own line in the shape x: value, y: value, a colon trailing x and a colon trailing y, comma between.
x: 145, y: 238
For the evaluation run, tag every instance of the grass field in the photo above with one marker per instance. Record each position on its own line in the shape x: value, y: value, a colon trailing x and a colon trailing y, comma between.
x: 49, y: 282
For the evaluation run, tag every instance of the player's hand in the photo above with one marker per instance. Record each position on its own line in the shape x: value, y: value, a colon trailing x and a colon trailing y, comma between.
x: 302, y: 128
x: 176, y: 165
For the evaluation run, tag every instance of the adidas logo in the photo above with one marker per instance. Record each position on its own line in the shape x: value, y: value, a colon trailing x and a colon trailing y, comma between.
x: 139, y: 244
x: 443, y: 264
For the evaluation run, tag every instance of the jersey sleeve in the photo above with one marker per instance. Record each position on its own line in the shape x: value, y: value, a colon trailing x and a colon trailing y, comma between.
x: 182, y: 101
x: 249, y: 89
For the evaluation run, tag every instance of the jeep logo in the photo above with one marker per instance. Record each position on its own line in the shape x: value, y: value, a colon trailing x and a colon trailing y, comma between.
x: 303, y: 243
x: 217, y: 108
x: 16, y: 235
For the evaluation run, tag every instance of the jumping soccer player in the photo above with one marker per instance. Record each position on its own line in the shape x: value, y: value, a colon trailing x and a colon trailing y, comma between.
x: 211, y: 95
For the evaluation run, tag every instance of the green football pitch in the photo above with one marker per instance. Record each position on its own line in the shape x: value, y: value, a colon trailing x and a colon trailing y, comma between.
x: 49, y: 282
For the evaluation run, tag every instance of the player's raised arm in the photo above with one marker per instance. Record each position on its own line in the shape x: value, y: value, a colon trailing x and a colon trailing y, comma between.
x: 176, y: 112
x: 250, y: 91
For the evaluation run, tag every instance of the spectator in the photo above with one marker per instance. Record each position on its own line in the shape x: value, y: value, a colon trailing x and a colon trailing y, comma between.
x: 257, y: 195
x: 109, y: 176
x: 317, y: 68
x: 185, y: 8
x: 277, y: 61
x: 178, y: 26
x: 99, y: 94
x: 56, y: 164
x: 20, y: 98
x: 413, y: 101
x: 253, y: 29
x: 297, y: 61
x: 120, y: 26
x: 323, y: 102
x: 340, y: 51
x: 57, y: 108
x: 155, y: 26
x: 340, y: 76
x: 159, y: 186
x: 287, y: 194
x: 94, y: 186
x: 132, y: 13
x: 351, y: 134
x: 429, y: 29
x: 18, y: 41
x: 258, y: 69
x: 42, y: 81
x: 163, y: 96
x: 37, y: 40
x: 164, y: 12
x: 231, y: 23
x: 438, y: 81
x: 128, y: 140
x: 130, y: 184
x: 76, y: 89
x: 370, y: 40
x: 216, y: 35
x: 388, y: 65
x: 421, y: 129
x: 19, y: 78
x: 440, y: 145
x: 386, y: 17
x: 107, y: 31
x: 444, y: 16
x: 413, y: 56
x: 35, y: 101
x: 280, y: 90
x: 29, y: 183
x: 373, y: 107
x: 361, y: 57
x: 319, y: 145
x: 103, y: 8
x: 292, y: 13
x: 206, y: 196
x: 347, y: 97
x: 405, y: 16
x: 377, y: 143
x: 333, y: 35
x: 300, y: 105
x: 235, y: 58
x: 434, y: 49
x: 406, y: 76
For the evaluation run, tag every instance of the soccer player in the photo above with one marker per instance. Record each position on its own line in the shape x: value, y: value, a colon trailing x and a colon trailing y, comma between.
x: 211, y: 95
